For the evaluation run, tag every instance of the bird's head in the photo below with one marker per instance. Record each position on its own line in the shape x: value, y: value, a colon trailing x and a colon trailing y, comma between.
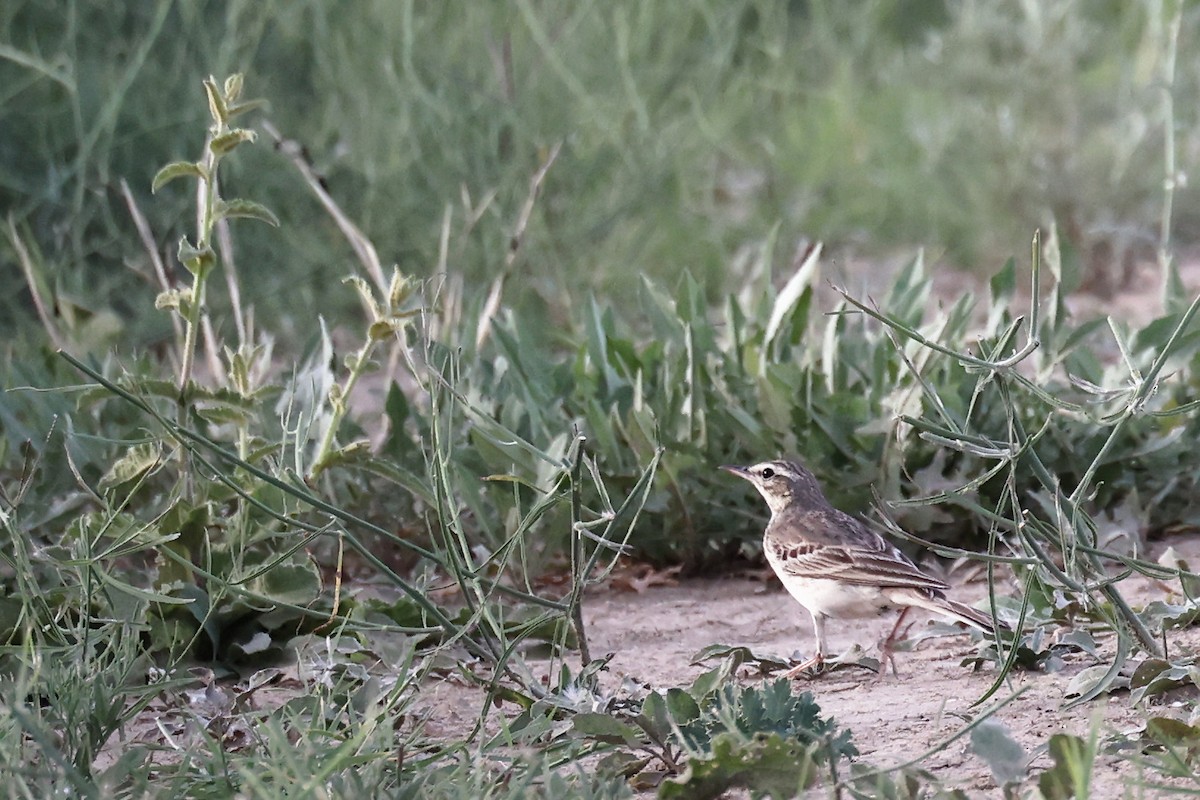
x: 782, y: 484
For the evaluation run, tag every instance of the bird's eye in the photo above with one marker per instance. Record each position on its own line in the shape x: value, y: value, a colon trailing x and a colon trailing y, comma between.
x: 768, y: 473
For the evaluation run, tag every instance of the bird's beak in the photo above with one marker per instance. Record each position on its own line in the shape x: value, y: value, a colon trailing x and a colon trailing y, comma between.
x: 741, y: 472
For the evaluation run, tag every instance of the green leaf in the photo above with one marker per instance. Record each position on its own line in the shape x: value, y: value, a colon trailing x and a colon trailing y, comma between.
x: 1188, y: 580
x: 12, y: 611
x: 654, y: 716
x: 1174, y: 733
x: 197, y: 260
x: 739, y: 655
x: 137, y: 460
x: 140, y: 594
x: 246, y: 209
x: 1007, y: 760
x: 768, y: 763
x: 909, y: 296
x: 233, y: 87
x: 177, y: 169
x: 1081, y: 639
x: 400, y: 288
x: 216, y: 102
x: 1155, y: 676
x: 597, y: 342
x: 366, y: 295
x: 112, y: 527
x: 1180, y: 615
x: 1068, y: 778
x: 297, y: 583
x: 236, y: 109
x: 404, y: 611
x: 682, y: 707
x: 361, y: 459
x: 707, y: 683
x: 789, y: 296
x: 177, y: 300
x: 220, y: 145
x: 384, y: 329
x: 607, y: 729
x: 692, y: 303
x: 659, y: 309
x: 1004, y: 284
x: 396, y: 407
x: 190, y: 522
x: 1091, y: 679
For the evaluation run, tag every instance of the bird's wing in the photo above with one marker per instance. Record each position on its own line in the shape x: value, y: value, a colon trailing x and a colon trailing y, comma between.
x: 864, y: 564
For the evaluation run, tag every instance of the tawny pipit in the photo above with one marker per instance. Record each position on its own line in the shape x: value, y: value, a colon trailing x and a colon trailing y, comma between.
x: 834, y: 565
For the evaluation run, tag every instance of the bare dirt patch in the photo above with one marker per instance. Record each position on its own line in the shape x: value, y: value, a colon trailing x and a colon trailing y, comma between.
x: 895, y: 718
x: 653, y: 636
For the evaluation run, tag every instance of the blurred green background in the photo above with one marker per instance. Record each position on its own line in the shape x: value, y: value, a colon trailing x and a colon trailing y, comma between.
x: 697, y: 136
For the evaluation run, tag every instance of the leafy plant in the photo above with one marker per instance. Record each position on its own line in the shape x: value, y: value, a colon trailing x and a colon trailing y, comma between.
x: 200, y: 258
x: 1071, y: 774
x: 765, y: 739
x: 203, y: 545
x: 1006, y: 759
x: 715, y: 735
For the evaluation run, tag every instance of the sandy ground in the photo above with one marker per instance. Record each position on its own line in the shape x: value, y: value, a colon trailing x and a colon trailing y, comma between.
x: 893, y: 717
x: 653, y: 636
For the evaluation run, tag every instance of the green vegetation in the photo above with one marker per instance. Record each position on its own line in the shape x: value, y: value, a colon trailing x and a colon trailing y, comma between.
x: 601, y: 290
x: 694, y: 136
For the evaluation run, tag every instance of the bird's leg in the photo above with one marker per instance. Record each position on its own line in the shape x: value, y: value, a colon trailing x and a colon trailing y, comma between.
x: 885, y: 647
x: 817, y: 661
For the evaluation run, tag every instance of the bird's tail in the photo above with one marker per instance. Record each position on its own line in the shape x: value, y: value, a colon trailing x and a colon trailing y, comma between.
x: 973, y: 617
x: 949, y: 608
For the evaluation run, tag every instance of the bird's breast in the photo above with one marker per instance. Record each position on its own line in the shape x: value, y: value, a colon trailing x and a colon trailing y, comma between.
x: 836, y: 599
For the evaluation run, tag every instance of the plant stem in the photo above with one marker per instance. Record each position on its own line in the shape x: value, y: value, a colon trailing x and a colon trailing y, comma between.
x: 340, y: 407
x: 1170, y: 276
x: 579, y: 567
x: 205, y: 213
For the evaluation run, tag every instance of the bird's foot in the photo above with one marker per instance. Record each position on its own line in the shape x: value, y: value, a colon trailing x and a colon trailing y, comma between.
x: 886, y: 658
x: 816, y: 663
x: 887, y: 653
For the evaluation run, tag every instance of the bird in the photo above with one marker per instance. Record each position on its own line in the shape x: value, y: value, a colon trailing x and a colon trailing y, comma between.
x: 835, y: 566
